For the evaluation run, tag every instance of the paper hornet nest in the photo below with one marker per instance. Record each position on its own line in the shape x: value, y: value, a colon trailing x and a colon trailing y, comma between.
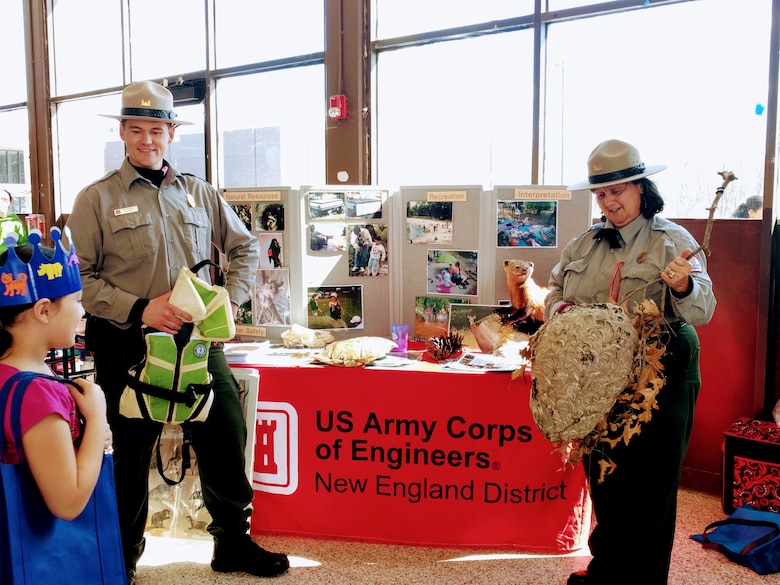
x: 354, y: 352
x: 581, y: 361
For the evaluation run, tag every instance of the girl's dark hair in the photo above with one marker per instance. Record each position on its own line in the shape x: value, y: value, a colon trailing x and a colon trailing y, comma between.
x: 8, y: 315
x: 652, y: 202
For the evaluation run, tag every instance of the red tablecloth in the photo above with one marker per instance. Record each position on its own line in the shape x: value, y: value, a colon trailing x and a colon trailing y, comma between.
x: 411, y: 458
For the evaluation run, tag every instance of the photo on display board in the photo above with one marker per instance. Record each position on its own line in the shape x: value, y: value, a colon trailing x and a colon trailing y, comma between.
x: 432, y: 316
x: 326, y: 205
x: 245, y: 213
x: 478, y: 324
x: 334, y: 307
x: 272, y: 297
x: 271, y: 250
x: 428, y: 222
x: 244, y: 315
x: 269, y: 217
x: 452, y: 272
x: 368, y: 250
x: 327, y: 237
x: 527, y: 224
x: 365, y: 204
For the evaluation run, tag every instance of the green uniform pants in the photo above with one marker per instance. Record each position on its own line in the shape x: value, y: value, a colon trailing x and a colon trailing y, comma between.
x: 218, y: 442
x: 636, y: 506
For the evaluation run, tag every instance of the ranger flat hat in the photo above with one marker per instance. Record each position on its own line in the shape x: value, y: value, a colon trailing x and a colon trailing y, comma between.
x: 613, y: 162
x: 147, y: 100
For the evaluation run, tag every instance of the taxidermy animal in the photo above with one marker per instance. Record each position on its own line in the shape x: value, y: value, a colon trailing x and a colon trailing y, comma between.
x: 196, y: 524
x: 158, y: 518
x: 507, y: 330
x: 162, y: 492
x: 494, y: 338
x: 527, y: 311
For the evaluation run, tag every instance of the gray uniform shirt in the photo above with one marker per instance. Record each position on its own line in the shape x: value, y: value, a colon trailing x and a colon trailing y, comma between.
x: 587, y: 268
x: 132, y: 239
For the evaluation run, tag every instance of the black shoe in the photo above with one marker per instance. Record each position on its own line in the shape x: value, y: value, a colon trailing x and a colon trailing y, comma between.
x: 131, y: 560
x: 242, y: 554
x: 578, y: 578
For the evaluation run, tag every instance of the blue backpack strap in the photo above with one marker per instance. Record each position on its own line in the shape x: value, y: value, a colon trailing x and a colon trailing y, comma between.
x: 21, y: 380
x: 5, y: 394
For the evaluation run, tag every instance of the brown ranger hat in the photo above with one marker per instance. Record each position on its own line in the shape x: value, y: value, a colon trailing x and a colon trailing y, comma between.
x: 147, y: 100
x: 613, y: 162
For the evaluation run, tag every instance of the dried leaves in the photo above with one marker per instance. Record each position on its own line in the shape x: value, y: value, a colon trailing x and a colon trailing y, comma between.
x: 586, y: 393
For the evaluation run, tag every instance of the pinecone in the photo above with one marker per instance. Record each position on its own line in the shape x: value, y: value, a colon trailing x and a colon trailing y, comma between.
x: 444, y: 347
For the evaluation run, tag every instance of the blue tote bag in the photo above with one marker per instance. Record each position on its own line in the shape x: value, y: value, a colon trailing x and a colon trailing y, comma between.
x: 36, y: 547
x: 749, y: 537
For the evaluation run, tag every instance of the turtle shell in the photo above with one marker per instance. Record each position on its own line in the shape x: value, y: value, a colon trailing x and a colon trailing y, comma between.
x: 355, y: 352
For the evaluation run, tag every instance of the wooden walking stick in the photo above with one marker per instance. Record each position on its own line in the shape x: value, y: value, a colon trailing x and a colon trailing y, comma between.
x: 728, y: 176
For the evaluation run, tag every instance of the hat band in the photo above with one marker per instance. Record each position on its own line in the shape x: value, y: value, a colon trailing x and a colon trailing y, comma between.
x: 617, y: 175
x: 145, y: 112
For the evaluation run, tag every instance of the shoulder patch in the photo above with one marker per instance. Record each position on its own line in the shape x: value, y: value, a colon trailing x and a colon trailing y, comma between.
x: 193, y: 176
x: 695, y: 264
x: 101, y: 179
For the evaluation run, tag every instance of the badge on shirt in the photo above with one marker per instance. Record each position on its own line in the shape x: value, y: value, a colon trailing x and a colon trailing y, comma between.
x: 695, y: 264
x: 191, y: 200
x: 126, y: 210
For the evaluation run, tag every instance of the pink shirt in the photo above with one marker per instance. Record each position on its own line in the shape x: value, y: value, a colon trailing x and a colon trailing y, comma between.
x: 42, y: 398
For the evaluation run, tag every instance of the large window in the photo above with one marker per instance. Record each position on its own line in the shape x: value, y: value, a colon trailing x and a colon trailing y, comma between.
x: 450, y: 113
x: 81, y: 60
x: 167, y: 38
x: 396, y: 18
x: 254, y: 32
x: 11, y: 166
x: 271, y: 128
x: 14, y: 127
x: 687, y: 95
x: 455, y: 106
x: 453, y: 100
x: 268, y: 109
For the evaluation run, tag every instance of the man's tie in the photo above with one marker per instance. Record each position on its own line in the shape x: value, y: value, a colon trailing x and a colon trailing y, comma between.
x: 609, y: 234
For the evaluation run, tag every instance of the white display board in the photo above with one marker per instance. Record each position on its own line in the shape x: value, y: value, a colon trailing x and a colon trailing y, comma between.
x: 436, y: 245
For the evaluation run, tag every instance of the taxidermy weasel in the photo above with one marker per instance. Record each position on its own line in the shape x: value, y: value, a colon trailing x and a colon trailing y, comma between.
x: 508, y: 329
x: 526, y: 296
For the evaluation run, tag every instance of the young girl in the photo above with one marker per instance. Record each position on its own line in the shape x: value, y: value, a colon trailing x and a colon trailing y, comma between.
x: 64, y: 430
x: 378, y: 254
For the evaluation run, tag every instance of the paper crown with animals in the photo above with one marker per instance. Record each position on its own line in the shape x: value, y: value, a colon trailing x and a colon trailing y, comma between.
x: 25, y: 283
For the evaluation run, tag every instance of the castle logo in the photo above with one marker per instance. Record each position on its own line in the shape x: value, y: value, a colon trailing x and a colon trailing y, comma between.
x: 276, y: 448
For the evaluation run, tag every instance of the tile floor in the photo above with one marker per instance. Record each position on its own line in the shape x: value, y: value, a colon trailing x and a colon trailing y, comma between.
x: 333, y: 562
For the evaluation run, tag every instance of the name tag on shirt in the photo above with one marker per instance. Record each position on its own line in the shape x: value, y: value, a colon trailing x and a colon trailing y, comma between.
x: 191, y: 200
x: 126, y: 210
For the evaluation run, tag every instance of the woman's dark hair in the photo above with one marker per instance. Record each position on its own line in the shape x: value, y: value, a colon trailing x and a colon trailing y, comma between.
x: 8, y: 315
x: 652, y: 202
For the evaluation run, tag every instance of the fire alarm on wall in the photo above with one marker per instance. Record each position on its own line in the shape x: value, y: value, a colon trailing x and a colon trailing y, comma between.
x: 337, y: 110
